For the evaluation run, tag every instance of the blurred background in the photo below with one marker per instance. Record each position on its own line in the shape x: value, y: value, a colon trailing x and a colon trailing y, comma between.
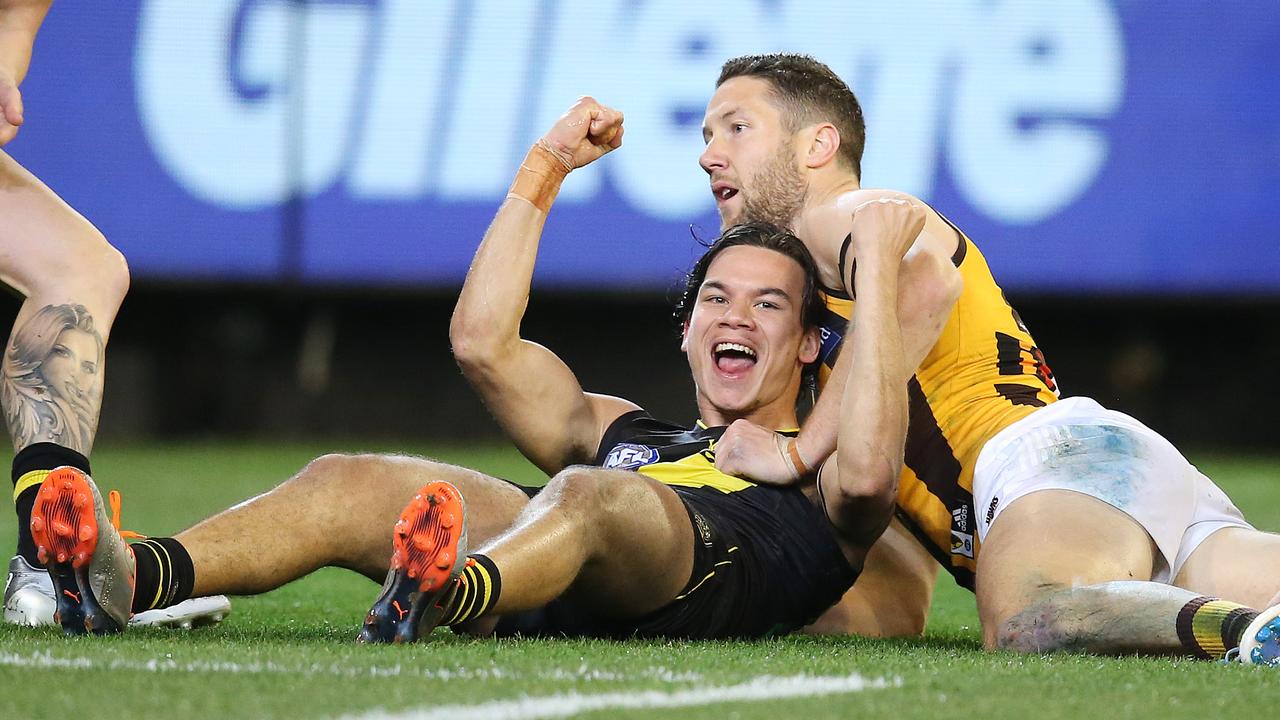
x: 299, y: 186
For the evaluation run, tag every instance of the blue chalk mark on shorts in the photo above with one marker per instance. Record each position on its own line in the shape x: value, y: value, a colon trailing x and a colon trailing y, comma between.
x: 1106, y: 461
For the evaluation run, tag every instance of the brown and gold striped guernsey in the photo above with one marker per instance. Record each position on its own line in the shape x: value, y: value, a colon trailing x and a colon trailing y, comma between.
x: 984, y: 373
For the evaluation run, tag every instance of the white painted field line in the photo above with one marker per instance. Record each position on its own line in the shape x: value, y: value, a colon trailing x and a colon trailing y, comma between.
x: 37, y: 660
x: 568, y: 704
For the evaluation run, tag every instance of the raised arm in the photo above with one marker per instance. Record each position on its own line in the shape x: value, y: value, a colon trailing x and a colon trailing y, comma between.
x: 19, y: 21
x: 873, y: 412
x: 531, y: 392
x: 927, y: 289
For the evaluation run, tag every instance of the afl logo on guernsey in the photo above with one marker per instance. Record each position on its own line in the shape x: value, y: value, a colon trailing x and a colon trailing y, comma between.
x: 626, y: 456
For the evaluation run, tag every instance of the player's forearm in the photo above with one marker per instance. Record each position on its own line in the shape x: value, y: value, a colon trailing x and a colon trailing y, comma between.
x: 873, y: 417
x: 817, y: 438
x: 486, y: 320
x: 19, y: 22
x: 927, y: 292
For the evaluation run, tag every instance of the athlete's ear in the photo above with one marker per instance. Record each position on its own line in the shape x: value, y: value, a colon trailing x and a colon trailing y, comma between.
x: 824, y: 143
x: 684, y: 336
x: 810, y: 345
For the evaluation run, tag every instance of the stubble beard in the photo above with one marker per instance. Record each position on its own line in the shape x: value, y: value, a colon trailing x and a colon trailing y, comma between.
x: 778, y: 191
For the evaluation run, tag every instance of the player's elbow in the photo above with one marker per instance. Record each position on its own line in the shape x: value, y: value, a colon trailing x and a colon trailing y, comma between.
x: 868, y: 477
x: 860, y: 502
x: 861, y: 490
x: 475, y: 347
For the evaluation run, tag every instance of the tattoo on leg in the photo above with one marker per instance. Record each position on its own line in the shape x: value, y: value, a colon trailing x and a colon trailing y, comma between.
x: 51, y: 386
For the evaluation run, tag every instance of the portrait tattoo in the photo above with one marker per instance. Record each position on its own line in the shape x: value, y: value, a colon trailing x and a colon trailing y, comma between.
x: 51, y: 388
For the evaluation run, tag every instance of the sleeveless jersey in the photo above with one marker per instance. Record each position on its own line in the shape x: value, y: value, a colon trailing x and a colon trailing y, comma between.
x: 765, y: 559
x: 984, y: 373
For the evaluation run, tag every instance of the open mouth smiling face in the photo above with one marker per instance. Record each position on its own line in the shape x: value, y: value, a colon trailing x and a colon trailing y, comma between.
x: 733, y: 360
x: 745, y: 340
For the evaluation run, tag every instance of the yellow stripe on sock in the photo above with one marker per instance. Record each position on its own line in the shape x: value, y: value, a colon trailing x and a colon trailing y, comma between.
x: 28, y: 480
x: 1206, y: 625
x: 166, y: 568
x: 488, y: 588
x: 468, y: 596
x: 459, y: 601
x: 156, y: 600
x: 471, y: 601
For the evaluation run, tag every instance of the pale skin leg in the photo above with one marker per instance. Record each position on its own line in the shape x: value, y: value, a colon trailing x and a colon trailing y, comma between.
x: 1236, y: 564
x: 59, y: 262
x: 892, y: 595
x: 617, y: 540
x: 1060, y: 570
x: 337, y: 511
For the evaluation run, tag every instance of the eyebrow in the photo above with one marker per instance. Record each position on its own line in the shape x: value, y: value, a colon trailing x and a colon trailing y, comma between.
x: 723, y: 116
x: 760, y: 292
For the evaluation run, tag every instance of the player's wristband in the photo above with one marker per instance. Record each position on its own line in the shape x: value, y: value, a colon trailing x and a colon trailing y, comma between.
x: 539, y: 177
x: 791, y: 456
x: 796, y: 461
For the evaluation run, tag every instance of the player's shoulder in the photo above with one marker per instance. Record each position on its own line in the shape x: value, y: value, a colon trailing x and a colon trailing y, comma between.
x: 640, y: 432
x: 639, y: 424
x: 941, y: 238
x: 854, y: 198
x: 851, y: 201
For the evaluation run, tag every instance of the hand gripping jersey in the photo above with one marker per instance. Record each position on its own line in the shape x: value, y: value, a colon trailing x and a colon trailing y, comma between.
x: 984, y: 373
x: 668, y: 453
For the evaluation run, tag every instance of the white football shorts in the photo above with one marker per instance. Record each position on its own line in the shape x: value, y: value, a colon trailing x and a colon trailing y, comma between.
x: 1076, y: 444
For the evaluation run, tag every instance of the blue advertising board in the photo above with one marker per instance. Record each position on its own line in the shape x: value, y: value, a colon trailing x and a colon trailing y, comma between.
x: 1085, y: 145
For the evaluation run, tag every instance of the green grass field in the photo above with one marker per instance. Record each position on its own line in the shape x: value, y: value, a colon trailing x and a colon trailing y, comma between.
x: 291, y: 653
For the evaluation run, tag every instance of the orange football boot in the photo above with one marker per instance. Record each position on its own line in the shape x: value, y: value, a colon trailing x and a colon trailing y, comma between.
x: 91, y: 567
x: 429, y: 551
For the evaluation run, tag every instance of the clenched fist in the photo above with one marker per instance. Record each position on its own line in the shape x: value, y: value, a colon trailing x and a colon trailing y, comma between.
x: 755, y: 453
x: 10, y: 108
x: 584, y: 133
x: 889, y: 224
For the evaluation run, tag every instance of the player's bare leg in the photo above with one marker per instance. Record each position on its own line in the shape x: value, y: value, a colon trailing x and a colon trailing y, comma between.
x: 1051, y: 541
x: 617, y: 540
x: 892, y: 595
x: 337, y: 511
x: 1236, y: 564
x: 51, y: 381
x: 1061, y: 570
x: 66, y: 270
x: 1243, y: 565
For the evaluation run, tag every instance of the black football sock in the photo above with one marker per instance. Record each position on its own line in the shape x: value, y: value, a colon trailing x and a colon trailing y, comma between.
x: 477, y: 591
x: 30, y: 467
x: 165, y: 574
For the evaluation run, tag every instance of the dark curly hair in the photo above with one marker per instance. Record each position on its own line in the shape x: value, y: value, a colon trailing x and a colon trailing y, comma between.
x: 769, y: 237
x: 761, y: 235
